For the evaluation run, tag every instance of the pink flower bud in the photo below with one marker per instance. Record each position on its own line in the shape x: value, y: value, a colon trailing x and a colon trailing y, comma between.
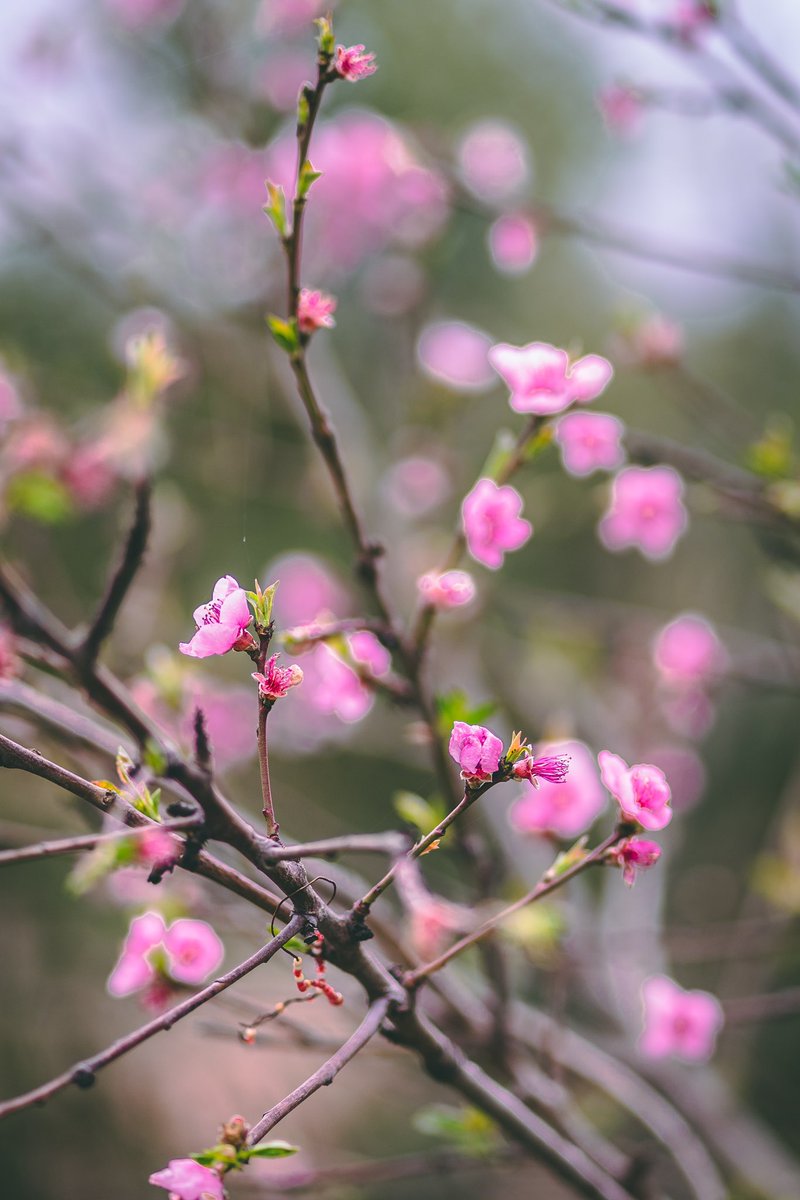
x: 476, y: 750
x: 353, y: 64
x: 315, y: 311
x: 222, y: 623
x: 677, y: 1023
x: 634, y: 854
x: 492, y: 523
x: 452, y: 589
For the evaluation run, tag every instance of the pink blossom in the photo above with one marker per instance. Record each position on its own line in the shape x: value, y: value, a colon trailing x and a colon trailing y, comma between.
x: 646, y: 511
x: 641, y: 791
x: 690, y: 18
x: 277, y: 681
x: 550, y: 768
x: 494, y: 160
x: 621, y: 107
x: 590, y: 441
x: 434, y: 920
x: 90, y: 474
x: 368, y: 651
x: 678, y: 1023
x: 652, y: 341
x: 492, y: 522
x: 687, y: 652
x: 353, y: 64
x: 634, y: 854
x: 335, y: 687
x: 543, y: 381
x: 451, y: 589
x: 513, y: 243
x: 134, y: 970
x: 456, y: 354
x: 185, y: 1179
x: 193, y: 950
x: 416, y: 485
x: 315, y: 311
x: 222, y: 623
x: 476, y: 750
x: 156, y: 847
x: 563, y: 809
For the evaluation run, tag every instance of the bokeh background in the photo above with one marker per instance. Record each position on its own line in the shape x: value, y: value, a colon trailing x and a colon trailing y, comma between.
x: 134, y: 142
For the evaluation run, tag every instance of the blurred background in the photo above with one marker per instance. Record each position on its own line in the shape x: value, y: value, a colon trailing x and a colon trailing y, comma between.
x: 469, y: 188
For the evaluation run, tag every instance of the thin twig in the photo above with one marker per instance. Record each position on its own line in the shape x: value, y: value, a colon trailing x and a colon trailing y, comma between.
x: 390, y: 843
x: 83, y: 1074
x: 74, y: 845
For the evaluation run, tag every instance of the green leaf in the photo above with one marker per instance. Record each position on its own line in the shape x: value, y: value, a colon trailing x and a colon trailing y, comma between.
x: 39, y: 496
x: 271, y: 1150
x: 455, y: 706
x: 154, y: 758
x: 417, y: 812
x: 284, y: 333
x: 325, y: 38
x: 275, y: 208
x: 308, y: 176
x: 468, y: 1129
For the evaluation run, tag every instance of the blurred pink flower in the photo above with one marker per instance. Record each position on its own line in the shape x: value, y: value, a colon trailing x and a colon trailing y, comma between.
x: 416, y: 485
x: 367, y: 650
x: 193, y: 950
x: 451, y: 589
x: 563, y: 809
x: 543, y: 381
x: 678, y: 1023
x: 276, y: 682
x: 156, y: 847
x: 684, y: 768
x: 690, y: 18
x: 307, y: 588
x: 634, y: 854
x: 652, y: 341
x: 494, y: 160
x: 133, y: 970
x: 89, y: 474
x: 222, y: 623
x: 353, y: 64
x: 621, y: 108
x: 434, y: 921
x: 229, y: 719
x: 10, y: 663
x: 186, y: 1179
x: 36, y: 443
x: 457, y: 355
x: 646, y: 511
x: 492, y: 522
x: 641, y: 791
x: 687, y: 652
x: 315, y: 311
x: 145, y: 12
x: 590, y: 441
x: 513, y: 243
x: 333, y: 687
x: 476, y: 750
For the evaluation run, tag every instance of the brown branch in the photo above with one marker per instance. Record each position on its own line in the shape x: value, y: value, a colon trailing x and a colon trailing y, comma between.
x: 74, y: 845
x: 83, y: 1074
x: 121, y: 579
x: 325, y: 1074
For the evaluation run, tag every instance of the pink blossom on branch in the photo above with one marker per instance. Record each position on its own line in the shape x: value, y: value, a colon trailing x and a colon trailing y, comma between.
x: 563, y: 809
x: 186, y: 1179
x: 513, y: 243
x: 315, y: 311
x: 193, y: 950
x: 277, y: 681
x: 646, y: 512
x: 590, y: 441
x: 134, y: 970
x: 222, y: 623
x: 476, y: 750
x: 189, y: 951
x: 641, y: 791
x: 492, y: 523
x: 678, y: 1023
x: 634, y: 854
x: 353, y: 64
x: 451, y: 589
x: 543, y: 381
x: 687, y: 652
x: 548, y: 768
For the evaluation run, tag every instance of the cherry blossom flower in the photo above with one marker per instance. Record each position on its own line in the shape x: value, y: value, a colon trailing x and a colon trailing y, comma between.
x: 494, y: 160
x: 457, y: 355
x: 451, y: 589
x: 550, y: 768
x: 277, y: 681
x: 563, y: 809
x: 513, y: 243
x: 315, y: 311
x: 353, y: 64
x: 543, y: 381
x: 634, y: 854
x: 370, y: 652
x: 641, y: 791
x: 193, y: 950
x: 646, y: 512
x: 476, y: 750
x: 156, y: 847
x: 590, y: 441
x: 621, y: 108
x: 335, y: 688
x: 678, y: 1023
x: 492, y: 523
x: 222, y: 623
x: 134, y: 970
x: 186, y: 1179
x: 687, y: 652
